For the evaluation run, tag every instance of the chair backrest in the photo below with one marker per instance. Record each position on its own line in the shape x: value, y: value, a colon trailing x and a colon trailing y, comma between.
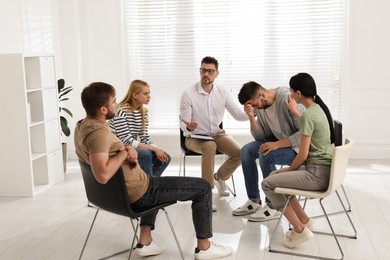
x: 183, y: 147
x: 339, y: 165
x: 338, y: 133
x: 111, y: 196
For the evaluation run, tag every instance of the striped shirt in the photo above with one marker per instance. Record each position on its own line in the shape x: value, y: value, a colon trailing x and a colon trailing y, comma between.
x: 127, y: 127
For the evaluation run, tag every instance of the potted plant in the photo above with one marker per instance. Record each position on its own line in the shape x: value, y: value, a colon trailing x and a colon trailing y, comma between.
x: 62, y: 92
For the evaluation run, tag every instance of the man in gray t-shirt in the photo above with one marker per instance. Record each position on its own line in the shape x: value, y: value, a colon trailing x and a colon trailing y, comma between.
x: 276, y: 133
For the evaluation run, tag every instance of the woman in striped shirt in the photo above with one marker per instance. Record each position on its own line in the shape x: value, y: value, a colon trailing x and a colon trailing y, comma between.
x: 130, y: 125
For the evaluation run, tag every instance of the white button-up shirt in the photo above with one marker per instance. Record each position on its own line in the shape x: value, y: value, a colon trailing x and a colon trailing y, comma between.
x: 207, y: 110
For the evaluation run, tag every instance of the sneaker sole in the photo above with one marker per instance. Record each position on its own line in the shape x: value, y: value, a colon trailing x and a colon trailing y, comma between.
x: 148, y: 254
x: 203, y: 257
x: 263, y: 219
x: 243, y: 213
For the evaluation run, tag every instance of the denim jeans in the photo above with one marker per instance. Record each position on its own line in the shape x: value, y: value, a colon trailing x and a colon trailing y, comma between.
x: 249, y: 155
x: 168, y: 189
x: 150, y: 164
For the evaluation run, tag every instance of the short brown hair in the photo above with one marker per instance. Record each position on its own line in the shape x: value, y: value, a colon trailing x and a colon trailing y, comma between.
x: 96, y: 95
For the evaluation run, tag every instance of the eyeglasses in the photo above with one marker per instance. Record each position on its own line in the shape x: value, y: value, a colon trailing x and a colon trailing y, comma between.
x: 209, y: 71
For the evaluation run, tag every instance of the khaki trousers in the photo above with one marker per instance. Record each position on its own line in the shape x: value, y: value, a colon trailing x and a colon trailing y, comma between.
x: 223, y: 143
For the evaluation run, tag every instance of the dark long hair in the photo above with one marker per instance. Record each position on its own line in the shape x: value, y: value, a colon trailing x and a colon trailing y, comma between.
x: 307, y: 86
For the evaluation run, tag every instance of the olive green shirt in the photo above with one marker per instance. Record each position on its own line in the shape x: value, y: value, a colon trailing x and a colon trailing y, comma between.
x: 314, y: 123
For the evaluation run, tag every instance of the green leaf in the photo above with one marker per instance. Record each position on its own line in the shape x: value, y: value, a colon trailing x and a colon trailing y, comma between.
x: 64, y: 126
x: 67, y: 111
x: 65, y: 91
x: 62, y: 91
x: 61, y: 84
x: 63, y: 99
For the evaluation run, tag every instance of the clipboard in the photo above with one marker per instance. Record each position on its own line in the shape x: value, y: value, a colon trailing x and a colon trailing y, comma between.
x: 204, y: 137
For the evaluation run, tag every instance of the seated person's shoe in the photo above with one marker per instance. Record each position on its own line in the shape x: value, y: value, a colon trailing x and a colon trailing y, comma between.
x: 213, y: 206
x: 221, y: 187
x: 296, y: 239
x: 248, y: 208
x: 310, y: 225
x: 151, y: 249
x: 264, y: 214
x: 214, y: 251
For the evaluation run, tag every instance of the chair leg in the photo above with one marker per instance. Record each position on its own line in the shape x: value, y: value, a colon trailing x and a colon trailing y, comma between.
x: 342, y: 203
x: 232, y: 191
x: 173, y: 232
x: 346, y: 198
x: 344, y: 210
x: 307, y: 255
x: 346, y: 213
x: 184, y: 165
x: 276, y: 227
x: 89, y: 232
x: 331, y: 228
x: 181, y: 155
x: 354, y: 235
x: 130, y: 250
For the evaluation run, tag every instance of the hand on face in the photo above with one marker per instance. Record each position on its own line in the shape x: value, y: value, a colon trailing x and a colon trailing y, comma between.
x: 249, y: 110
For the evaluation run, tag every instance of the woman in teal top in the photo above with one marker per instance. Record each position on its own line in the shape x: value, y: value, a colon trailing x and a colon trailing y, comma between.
x: 310, y: 169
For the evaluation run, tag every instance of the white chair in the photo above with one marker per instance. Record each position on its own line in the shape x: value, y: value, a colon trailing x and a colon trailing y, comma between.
x: 338, y: 171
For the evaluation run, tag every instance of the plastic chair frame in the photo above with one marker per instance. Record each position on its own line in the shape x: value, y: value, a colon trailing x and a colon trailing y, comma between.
x: 321, y: 195
x: 117, y: 182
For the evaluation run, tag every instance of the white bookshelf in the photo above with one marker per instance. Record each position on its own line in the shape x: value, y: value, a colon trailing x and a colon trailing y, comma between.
x: 31, y: 155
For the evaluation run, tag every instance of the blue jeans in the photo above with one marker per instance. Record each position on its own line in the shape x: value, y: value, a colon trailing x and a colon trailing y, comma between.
x: 249, y: 155
x: 168, y: 189
x: 150, y: 164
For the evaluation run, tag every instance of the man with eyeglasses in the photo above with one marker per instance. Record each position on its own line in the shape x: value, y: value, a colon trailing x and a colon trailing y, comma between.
x: 276, y: 133
x: 202, y: 108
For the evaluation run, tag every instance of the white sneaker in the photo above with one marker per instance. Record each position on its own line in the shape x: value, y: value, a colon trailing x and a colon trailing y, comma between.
x: 221, y: 187
x: 151, y: 249
x: 297, y: 238
x: 213, y: 206
x: 265, y: 214
x: 248, y: 208
x: 214, y: 251
x: 310, y: 225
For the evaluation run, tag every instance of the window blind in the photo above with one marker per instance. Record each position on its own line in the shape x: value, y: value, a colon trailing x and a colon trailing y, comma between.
x: 265, y: 41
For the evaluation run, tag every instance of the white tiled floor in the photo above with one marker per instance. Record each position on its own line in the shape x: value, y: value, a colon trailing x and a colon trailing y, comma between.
x: 54, y: 224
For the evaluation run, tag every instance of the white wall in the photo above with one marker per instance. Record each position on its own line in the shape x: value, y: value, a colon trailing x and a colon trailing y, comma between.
x: 91, y: 50
x: 10, y: 27
x: 367, y: 89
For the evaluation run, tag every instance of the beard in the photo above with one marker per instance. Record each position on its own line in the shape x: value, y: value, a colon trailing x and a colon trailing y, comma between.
x: 265, y: 104
x: 206, y: 80
x: 110, y: 115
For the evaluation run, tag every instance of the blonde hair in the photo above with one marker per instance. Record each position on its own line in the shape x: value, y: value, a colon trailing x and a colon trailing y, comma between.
x: 129, y: 103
